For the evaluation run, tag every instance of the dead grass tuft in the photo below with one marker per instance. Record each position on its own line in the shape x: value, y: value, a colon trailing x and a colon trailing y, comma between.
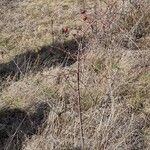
x: 114, y: 75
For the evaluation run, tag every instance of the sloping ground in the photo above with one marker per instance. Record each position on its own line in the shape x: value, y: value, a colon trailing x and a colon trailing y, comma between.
x: 27, y: 25
x: 115, y: 108
x: 114, y: 83
x: 115, y: 102
x: 63, y: 54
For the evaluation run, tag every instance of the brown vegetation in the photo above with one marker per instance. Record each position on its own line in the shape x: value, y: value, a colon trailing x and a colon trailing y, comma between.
x: 74, y: 75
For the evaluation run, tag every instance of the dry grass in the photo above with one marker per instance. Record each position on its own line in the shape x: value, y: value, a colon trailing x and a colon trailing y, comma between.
x: 114, y: 76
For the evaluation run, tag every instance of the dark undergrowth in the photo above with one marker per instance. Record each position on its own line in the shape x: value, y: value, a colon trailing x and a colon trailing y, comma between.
x: 57, y: 54
x: 17, y: 124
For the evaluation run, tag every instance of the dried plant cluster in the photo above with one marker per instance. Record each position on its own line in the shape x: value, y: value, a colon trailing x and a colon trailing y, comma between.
x: 74, y: 75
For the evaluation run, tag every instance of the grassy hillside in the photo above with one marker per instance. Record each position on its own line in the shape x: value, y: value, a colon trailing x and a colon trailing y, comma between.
x: 74, y: 75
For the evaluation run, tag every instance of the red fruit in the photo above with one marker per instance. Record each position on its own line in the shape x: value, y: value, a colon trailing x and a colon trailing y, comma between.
x: 83, y: 11
x: 85, y: 18
x: 65, y: 30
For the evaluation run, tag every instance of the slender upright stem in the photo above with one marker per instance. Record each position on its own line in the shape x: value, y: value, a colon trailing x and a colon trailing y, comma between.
x: 52, y: 30
x: 95, y: 13
x: 79, y: 100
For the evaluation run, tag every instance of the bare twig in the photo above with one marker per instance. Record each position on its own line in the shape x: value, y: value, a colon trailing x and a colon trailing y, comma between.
x: 13, y: 136
x: 52, y: 30
x: 95, y: 13
x: 79, y: 98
